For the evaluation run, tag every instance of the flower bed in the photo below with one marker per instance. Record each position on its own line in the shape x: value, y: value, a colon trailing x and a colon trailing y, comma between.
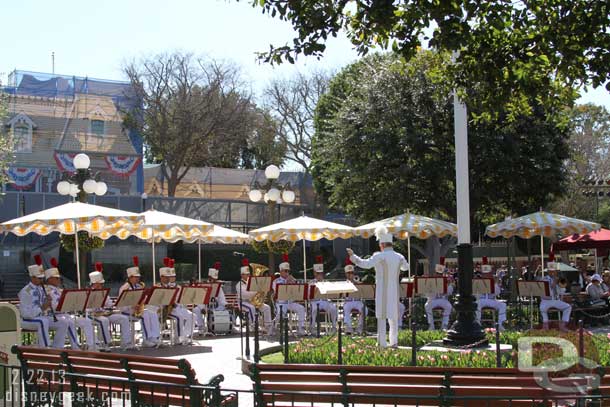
x: 364, y: 351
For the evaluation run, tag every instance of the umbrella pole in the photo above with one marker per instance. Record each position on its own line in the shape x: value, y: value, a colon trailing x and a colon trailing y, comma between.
x: 542, y: 255
x: 153, y: 258
x: 304, y: 263
x: 409, y: 254
x: 199, y: 261
x: 77, y: 256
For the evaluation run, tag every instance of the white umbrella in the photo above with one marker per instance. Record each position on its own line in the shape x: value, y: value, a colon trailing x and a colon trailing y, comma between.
x: 302, y: 228
x: 159, y: 226
x: 70, y: 218
x: 408, y: 224
x: 540, y: 224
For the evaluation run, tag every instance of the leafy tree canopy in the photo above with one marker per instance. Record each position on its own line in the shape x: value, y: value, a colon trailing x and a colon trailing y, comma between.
x: 515, y: 48
x: 384, y: 145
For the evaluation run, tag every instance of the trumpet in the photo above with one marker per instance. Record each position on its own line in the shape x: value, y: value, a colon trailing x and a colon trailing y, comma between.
x: 139, y: 309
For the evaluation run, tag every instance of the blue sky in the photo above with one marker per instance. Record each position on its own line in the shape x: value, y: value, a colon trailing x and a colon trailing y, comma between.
x: 95, y: 38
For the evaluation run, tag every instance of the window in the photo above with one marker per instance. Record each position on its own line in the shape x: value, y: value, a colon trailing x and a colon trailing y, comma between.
x: 22, y: 138
x: 97, y: 127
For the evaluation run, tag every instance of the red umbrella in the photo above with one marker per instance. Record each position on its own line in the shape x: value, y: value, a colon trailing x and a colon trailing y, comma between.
x: 593, y: 240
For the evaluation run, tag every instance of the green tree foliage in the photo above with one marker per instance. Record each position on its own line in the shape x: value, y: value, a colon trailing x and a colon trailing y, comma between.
x: 384, y: 145
x: 513, y: 48
x: 6, y: 142
x: 263, y: 147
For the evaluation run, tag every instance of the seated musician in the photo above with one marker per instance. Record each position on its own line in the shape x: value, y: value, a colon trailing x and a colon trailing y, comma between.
x: 554, y: 301
x: 323, y: 305
x: 54, y: 290
x: 246, y: 296
x: 219, y: 302
x: 595, y: 291
x: 439, y: 300
x: 146, y: 315
x: 286, y: 305
x: 179, y: 313
x: 104, y: 316
x: 34, y: 304
x: 352, y: 304
x: 489, y: 300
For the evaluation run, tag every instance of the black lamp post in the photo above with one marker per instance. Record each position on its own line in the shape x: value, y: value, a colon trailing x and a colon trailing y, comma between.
x: 272, y: 192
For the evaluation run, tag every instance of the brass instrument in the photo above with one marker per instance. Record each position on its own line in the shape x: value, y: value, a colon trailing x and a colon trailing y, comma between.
x: 259, y: 298
x: 139, y: 309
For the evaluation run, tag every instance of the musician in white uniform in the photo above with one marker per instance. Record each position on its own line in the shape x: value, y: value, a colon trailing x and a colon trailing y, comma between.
x: 350, y: 304
x: 554, y: 301
x: 53, y: 280
x: 149, y: 317
x: 323, y: 305
x: 34, y: 304
x: 489, y: 300
x: 102, y: 317
x: 283, y: 306
x: 439, y: 301
x: 218, y: 303
x: 388, y: 265
x: 246, y: 296
x: 182, y: 316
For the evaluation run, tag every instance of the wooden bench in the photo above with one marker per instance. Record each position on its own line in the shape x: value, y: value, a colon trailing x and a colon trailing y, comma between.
x: 302, y: 385
x: 101, y: 376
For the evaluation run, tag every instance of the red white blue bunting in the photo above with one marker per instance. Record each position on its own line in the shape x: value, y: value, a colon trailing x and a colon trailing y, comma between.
x: 65, y: 161
x: 122, y: 165
x: 23, y: 178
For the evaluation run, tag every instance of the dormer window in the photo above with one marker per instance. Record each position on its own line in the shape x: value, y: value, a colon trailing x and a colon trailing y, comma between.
x: 21, y: 131
x: 97, y: 127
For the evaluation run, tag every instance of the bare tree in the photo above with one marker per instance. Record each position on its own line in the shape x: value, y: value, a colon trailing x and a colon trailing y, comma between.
x: 191, y: 110
x: 292, y: 102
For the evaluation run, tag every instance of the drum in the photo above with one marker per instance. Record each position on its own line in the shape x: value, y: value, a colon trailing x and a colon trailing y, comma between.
x: 219, y: 322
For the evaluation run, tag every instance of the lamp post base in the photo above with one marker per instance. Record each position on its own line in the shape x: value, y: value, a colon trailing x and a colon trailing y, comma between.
x: 465, y: 330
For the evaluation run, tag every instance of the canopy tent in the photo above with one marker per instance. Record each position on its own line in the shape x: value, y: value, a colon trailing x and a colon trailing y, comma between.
x: 408, y: 224
x: 302, y: 228
x: 599, y: 239
x: 72, y: 217
x: 159, y: 226
x: 540, y: 224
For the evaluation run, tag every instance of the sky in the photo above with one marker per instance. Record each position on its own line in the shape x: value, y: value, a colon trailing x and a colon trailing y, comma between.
x: 96, y: 38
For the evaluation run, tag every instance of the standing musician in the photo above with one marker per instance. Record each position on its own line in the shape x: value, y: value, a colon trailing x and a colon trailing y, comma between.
x: 33, y: 306
x: 104, y: 316
x: 352, y: 304
x: 53, y: 280
x: 489, y: 300
x: 246, y: 296
x: 322, y: 305
x: 554, y: 301
x: 148, y: 318
x: 182, y: 316
x: 388, y: 265
x: 439, y: 300
x: 219, y: 302
x: 286, y: 278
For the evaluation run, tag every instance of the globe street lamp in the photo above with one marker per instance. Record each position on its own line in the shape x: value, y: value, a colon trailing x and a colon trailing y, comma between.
x: 272, y: 193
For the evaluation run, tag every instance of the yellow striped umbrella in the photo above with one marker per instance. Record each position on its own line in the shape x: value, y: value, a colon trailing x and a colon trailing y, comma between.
x: 70, y: 218
x: 302, y: 228
x: 159, y: 226
x: 408, y: 224
x: 540, y: 224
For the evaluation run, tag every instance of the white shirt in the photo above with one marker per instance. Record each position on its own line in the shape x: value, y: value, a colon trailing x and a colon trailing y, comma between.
x: 31, y: 298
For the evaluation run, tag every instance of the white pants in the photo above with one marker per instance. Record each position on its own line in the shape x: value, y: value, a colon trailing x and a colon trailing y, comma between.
x: 184, y: 322
x: 325, y: 306
x: 297, y: 309
x: 150, y: 325
x: 401, y: 314
x: 104, y: 323
x: 381, y: 332
x: 41, y: 325
x: 495, y: 304
x: 350, y: 306
x: 67, y: 319
x: 250, y: 310
x: 86, y: 326
x: 438, y: 303
x: 564, y: 307
x: 198, y: 312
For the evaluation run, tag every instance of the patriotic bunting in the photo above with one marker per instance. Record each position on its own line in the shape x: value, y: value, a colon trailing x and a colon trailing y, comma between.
x: 23, y: 178
x: 122, y: 165
x: 65, y: 161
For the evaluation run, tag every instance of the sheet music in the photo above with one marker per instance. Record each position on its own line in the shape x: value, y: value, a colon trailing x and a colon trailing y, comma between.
x: 162, y: 296
x: 290, y: 292
x: 430, y: 285
x: 335, y: 287
x: 365, y: 292
x: 482, y: 286
x: 194, y: 295
x: 130, y: 298
x: 72, y: 300
x: 533, y: 288
x: 97, y: 298
x: 259, y: 284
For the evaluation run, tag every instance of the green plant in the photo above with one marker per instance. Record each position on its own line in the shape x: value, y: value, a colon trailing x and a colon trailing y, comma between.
x: 267, y: 246
x: 86, y: 242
